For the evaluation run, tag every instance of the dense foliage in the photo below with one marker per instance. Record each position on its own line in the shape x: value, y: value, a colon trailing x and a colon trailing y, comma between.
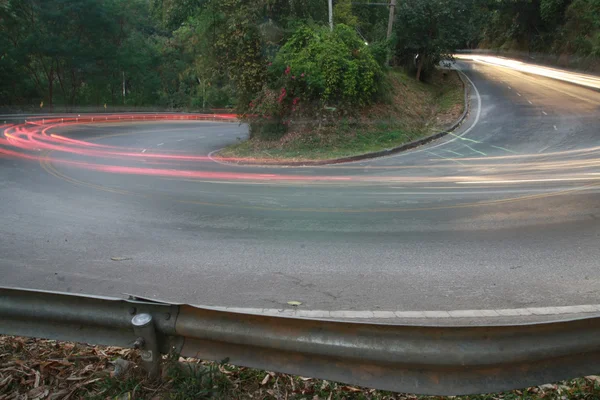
x: 315, y: 72
x: 431, y: 29
x: 193, y: 54
x: 77, y: 52
x: 548, y: 26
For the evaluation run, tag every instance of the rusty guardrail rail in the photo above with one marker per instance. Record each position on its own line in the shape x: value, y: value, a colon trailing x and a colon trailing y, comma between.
x: 415, y: 359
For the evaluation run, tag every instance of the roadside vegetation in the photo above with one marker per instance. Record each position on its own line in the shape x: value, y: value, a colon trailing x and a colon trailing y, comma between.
x: 305, y: 90
x: 201, y: 54
x: 565, y: 28
x: 386, y: 123
x: 47, y: 369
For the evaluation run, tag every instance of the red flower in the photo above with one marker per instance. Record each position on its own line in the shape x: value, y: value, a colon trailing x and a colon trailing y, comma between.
x: 302, y: 75
x: 295, y: 101
x: 282, y: 95
x: 287, y: 70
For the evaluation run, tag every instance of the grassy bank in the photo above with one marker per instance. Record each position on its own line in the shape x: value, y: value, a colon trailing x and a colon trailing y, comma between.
x: 47, y: 369
x: 412, y: 110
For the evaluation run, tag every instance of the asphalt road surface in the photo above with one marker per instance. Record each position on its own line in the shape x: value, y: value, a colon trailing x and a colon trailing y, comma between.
x: 503, y: 213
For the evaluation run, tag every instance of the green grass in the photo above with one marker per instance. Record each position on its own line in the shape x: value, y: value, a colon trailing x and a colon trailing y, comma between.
x: 317, y: 147
x: 412, y: 110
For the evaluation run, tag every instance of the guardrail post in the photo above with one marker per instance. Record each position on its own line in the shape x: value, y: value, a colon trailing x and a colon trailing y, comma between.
x: 143, y: 327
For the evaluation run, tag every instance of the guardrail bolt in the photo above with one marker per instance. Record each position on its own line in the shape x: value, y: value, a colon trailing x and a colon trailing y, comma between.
x: 139, y: 343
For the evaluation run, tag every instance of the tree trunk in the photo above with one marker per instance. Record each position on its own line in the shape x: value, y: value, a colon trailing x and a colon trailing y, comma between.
x: 419, y: 67
x: 51, y: 86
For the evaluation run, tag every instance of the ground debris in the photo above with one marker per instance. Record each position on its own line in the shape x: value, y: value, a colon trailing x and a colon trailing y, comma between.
x: 35, y: 369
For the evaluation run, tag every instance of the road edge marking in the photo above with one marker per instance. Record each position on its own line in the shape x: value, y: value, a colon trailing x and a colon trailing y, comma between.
x: 387, y: 314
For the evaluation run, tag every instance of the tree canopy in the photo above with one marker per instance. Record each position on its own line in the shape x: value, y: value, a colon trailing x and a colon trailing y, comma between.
x: 192, y: 54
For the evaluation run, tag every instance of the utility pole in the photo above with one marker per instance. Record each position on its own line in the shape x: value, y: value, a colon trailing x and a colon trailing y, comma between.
x: 391, y: 20
x: 390, y: 27
x: 331, y: 14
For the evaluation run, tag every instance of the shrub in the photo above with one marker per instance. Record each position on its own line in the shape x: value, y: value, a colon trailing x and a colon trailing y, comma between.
x: 314, y: 76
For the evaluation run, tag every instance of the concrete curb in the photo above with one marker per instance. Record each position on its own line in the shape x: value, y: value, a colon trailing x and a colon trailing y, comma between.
x: 376, y: 154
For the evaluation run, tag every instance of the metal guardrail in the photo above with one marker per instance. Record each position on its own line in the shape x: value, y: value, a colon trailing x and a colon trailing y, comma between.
x: 415, y: 359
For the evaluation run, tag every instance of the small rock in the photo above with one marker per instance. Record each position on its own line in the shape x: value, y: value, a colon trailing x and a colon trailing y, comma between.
x: 547, y: 386
x: 121, y: 367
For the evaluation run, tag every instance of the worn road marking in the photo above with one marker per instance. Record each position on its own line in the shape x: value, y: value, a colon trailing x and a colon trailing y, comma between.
x: 463, y: 138
x: 555, y: 128
x: 453, y: 152
x: 476, y: 151
x: 529, y: 101
x: 510, y: 87
x: 544, y: 112
x: 143, y: 151
x: 160, y: 144
x: 180, y: 140
x: 502, y: 148
x: 519, y: 94
x: 445, y: 158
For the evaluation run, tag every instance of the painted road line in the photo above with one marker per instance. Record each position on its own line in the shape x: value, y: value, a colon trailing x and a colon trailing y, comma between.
x: 160, y: 144
x: 476, y: 151
x: 510, y: 87
x: 388, y: 314
x: 544, y: 112
x: 445, y: 158
x: 529, y: 101
x: 527, y: 181
x: 519, y: 94
x: 463, y: 138
x: 502, y: 148
x: 143, y: 151
x: 453, y: 152
x: 180, y: 140
x: 211, y: 158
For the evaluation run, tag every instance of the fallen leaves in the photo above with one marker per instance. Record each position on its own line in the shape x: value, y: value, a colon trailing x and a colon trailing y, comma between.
x: 36, y: 369
x: 265, y: 380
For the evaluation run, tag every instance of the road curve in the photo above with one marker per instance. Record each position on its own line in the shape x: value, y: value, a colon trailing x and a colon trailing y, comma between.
x: 503, y: 213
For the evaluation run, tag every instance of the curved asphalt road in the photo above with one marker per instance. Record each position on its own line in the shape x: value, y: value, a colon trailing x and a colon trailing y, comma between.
x: 503, y: 213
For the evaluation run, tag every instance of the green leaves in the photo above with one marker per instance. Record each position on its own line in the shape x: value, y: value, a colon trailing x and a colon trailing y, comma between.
x: 432, y: 29
x: 315, y: 74
x: 340, y: 68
